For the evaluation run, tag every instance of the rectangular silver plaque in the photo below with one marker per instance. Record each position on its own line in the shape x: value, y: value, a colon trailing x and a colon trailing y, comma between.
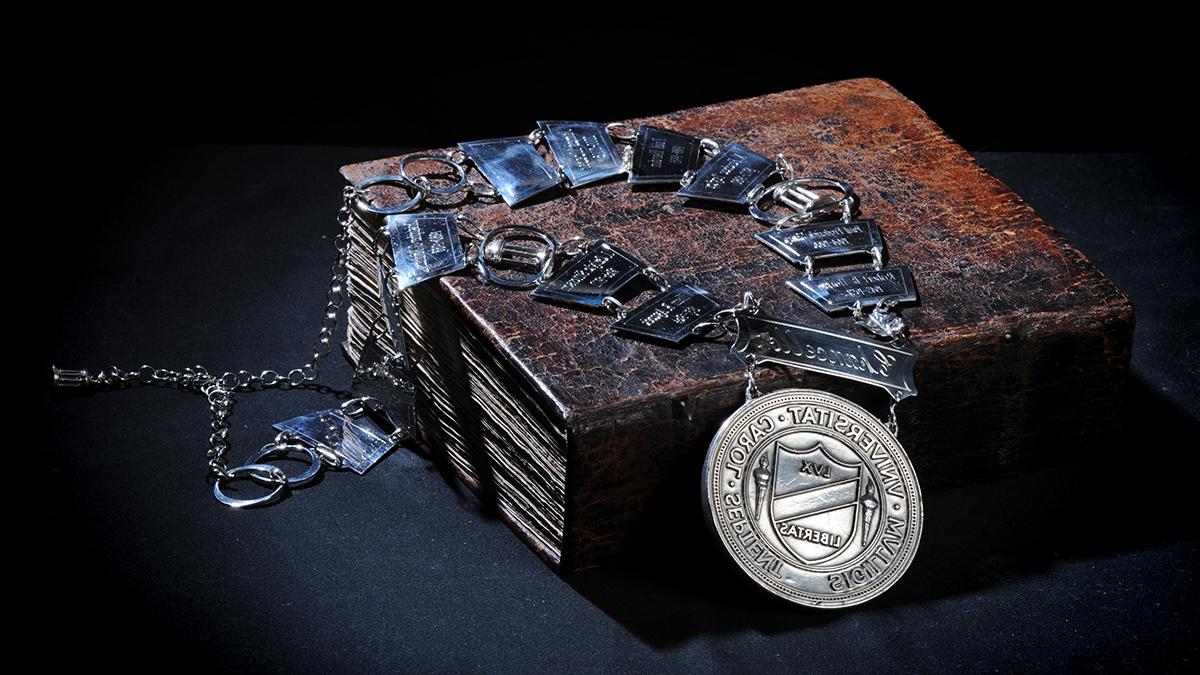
x: 424, y: 246
x: 730, y: 176
x: 854, y: 358
x: 840, y: 290
x: 584, y: 150
x: 662, y: 156
x: 513, y: 166
x: 671, y: 315
x: 358, y: 441
x: 600, y: 271
x: 823, y: 240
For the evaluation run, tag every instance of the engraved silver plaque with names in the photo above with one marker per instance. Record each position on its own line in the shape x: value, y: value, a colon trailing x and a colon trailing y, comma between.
x: 670, y: 316
x: 868, y: 361
x: 841, y: 290
x: 803, y: 244
x: 730, y: 176
x: 513, y: 166
x: 584, y: 150
x: 600, y: 271
x: 424, y: 246
x: 662, y: 156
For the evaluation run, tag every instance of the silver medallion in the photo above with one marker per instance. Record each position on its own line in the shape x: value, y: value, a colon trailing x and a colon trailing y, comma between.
x: 813, y: 498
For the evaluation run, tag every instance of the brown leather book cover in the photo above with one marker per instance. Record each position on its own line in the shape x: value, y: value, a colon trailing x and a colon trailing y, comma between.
x: 1024, y: 345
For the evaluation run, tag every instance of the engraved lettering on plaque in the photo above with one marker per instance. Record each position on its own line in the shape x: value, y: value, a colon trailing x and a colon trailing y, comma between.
x: 730, y: 176
x: 823, y: 240
x: 670, y: 316
x: 841, y: 290
x: 600, y: 271
x: 584, y: 150
x: 663, y: 156
x: 424, y: 246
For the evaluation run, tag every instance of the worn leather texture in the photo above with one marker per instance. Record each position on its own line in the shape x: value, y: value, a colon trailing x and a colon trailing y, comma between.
x: 1022, y: 340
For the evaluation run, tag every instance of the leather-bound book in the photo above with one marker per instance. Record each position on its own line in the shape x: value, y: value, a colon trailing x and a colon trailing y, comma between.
x: 587, y: 442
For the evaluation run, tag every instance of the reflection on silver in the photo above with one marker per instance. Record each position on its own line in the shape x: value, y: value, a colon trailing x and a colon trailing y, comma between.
x: 583, y: 150
x: 513, y: 166
x: 869, y: 361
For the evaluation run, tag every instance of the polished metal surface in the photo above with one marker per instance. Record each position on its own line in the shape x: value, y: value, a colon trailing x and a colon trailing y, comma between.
x: 513, y: 166
x: 813, y: 498
x: 671, y: 316
x: 731, y: 176
x: 838, y: 291
x: 807, y: 244
x: 424, y: 246
x: 495, y: 242
x: 599, y: 272
x: 663, y: 156
x: 762, y: 339
x: 358, y: 441
x: 583, y: 150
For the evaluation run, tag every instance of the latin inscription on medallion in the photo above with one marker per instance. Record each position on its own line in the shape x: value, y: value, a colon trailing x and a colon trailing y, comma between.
x: 841, y: 290
x: 424, y: 246
x: 823, y: 240
x: 730, y: 176
x: 813, y: 498
x: 663, y: 156
x: 671, y: 315
x: 584, y: 150
x: 513, y: 166
x: 600, y: 271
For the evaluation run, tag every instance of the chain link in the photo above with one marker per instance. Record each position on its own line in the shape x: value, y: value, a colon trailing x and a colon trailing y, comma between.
x: 219, y: 390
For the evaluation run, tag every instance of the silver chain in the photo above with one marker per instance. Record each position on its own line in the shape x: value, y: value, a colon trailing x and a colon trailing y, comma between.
x: 219, y: 390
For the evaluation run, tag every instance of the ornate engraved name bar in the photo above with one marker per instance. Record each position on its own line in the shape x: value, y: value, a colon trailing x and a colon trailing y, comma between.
x: 862, y: 360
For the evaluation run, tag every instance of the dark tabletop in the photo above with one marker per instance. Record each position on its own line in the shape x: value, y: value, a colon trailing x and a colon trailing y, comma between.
x: 219, y: 256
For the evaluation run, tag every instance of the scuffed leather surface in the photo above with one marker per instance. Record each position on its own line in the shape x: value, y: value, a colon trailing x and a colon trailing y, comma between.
x: 1021, y: 337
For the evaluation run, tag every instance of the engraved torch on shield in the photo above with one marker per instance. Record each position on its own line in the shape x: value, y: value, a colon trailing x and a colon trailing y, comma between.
x: 820, y: 503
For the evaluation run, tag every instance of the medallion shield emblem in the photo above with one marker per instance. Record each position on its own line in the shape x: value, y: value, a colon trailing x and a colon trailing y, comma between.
x: 815, y: 506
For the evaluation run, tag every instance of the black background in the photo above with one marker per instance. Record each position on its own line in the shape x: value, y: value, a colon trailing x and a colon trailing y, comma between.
x: 186, y: 225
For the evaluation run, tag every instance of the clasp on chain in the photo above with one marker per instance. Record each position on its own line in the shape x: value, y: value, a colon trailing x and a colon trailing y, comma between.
x: 65, y: 377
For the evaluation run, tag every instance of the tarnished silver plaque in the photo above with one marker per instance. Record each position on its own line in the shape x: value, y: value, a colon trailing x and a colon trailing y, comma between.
x: 813, y: 498
x: 671, y: 315
x: 806, y: 243
x: 841, y: 290
x: 730, y: 176
x: 513, y: 166
x: 600, y: 271
x: 424, y: 246
x: 662, y: 156
x: 584, y: 150
x: 869, y: 361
